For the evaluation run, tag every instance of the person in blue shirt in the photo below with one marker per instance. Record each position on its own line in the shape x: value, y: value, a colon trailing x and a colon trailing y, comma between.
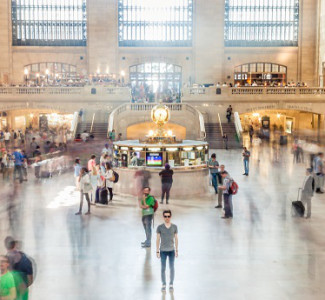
x: 19, y: 160
x: 77, y: 169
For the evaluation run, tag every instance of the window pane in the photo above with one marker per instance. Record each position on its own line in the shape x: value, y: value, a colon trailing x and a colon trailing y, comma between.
x: 261, y: 23
x: 155, y: 22
x: 49, y: 22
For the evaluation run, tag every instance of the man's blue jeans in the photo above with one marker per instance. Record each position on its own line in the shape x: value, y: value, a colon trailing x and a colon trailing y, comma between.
x: 163, y: 257
x: 147, y: 221
x: 246, y: 166
x: 215, y: 181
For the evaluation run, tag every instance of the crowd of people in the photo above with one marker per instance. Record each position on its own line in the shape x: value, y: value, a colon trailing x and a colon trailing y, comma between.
x: 20, y: 149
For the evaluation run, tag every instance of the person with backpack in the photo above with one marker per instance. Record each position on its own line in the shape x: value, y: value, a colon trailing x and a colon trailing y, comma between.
x: 308, y: 191
x: 227, y: 195
x: 147, y: 204
x: 110, y: 179
x: 85, y: 187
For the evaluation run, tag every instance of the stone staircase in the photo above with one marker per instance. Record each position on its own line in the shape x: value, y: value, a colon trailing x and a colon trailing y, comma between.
x: 214, y: 136
x: 100, y: 124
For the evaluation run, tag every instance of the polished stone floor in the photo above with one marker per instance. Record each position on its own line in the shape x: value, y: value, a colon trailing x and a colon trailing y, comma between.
x: 263, y: 253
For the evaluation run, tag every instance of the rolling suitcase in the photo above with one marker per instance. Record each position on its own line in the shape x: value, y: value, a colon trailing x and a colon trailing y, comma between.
x: 298, y: 208
x: 103, y: 196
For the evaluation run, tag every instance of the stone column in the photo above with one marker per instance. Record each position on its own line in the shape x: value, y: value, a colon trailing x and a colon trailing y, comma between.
x: 102, y: 44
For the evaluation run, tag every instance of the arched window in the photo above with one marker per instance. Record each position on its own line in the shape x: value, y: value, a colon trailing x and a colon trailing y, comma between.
x: 156, y: 81
x: 51, y: 72
x: 261, y: 23
x: 260, y: 74
x: 155, y: 22
x: 49, y: 22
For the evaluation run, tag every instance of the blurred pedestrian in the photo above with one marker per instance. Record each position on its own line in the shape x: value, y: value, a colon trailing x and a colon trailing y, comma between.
x: 85, y: 188
x: 227, y: 196
x: 308, y: 191
x: 220, y: 191
x: 214, y: 167
x: 246, y: 155
x: 166, y: 182
x: 147, y: 205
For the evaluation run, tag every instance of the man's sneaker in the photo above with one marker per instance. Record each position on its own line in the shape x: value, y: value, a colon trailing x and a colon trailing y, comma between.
x: 145, y: 246
x: 218, y: 206
x: 171, y: 288
x: 163, y: 289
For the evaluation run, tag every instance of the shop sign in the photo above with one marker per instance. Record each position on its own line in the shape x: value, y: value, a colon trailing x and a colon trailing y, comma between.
x: 304, y: 107
x: 261, y: 107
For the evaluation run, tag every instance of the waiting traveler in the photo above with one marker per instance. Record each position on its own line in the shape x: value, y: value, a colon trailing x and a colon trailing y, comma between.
x: 220, y: 191
x: 227, y: 196
x: 318, y: 166
x: 246, y: 154
x: 167, y: 246
x: 109, y: 176
x: 214, y: 170
x: 77, y: 169
x: 308, y: 191
x: 166, y: 182
x: 85, y: 188
x: 147, y: 205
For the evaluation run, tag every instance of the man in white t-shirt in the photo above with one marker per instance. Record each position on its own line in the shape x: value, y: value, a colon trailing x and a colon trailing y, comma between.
x: 7, y: 136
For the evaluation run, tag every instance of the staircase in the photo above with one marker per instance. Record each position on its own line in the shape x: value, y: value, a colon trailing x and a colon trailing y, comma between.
x: 214, y: 136
x: 100, y: 124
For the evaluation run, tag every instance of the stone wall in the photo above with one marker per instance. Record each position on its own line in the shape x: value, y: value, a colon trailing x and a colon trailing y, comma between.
x: 207, y: 61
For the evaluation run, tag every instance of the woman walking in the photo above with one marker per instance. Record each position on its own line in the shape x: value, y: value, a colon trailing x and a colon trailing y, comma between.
x: 166, y: 182
x: 85, y: 188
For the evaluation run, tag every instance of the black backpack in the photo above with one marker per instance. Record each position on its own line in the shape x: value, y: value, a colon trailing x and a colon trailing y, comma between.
x: 116, y: 177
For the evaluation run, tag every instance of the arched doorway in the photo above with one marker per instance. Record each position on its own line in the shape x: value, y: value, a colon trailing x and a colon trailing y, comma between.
x: 152, y: 81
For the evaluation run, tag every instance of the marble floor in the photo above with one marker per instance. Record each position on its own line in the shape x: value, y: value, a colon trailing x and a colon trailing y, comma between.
x: 263, y: 253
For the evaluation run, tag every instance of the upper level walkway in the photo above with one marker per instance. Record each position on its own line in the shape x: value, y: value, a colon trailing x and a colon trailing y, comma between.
x: 69, y: 98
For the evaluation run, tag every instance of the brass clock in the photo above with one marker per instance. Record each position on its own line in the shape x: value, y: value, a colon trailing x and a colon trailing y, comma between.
x: 160, y: 114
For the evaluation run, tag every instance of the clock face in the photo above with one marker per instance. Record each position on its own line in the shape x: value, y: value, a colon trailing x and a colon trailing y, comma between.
x: 161, y: 115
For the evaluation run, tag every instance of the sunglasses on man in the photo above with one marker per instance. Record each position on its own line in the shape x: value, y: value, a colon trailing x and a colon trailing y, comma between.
x: 167, y: 216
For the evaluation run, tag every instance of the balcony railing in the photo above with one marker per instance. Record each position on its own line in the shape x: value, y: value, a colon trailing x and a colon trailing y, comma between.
x: 97, y: 92
x: 253, y: 93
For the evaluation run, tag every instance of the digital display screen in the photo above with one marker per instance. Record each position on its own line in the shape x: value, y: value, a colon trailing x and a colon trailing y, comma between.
x: 154, y: 159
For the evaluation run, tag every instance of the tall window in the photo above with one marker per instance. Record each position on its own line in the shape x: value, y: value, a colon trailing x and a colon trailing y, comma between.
x: 156, y: 80
x: 261, y: 23
x: 155, y: 22
x: 49, y: 22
